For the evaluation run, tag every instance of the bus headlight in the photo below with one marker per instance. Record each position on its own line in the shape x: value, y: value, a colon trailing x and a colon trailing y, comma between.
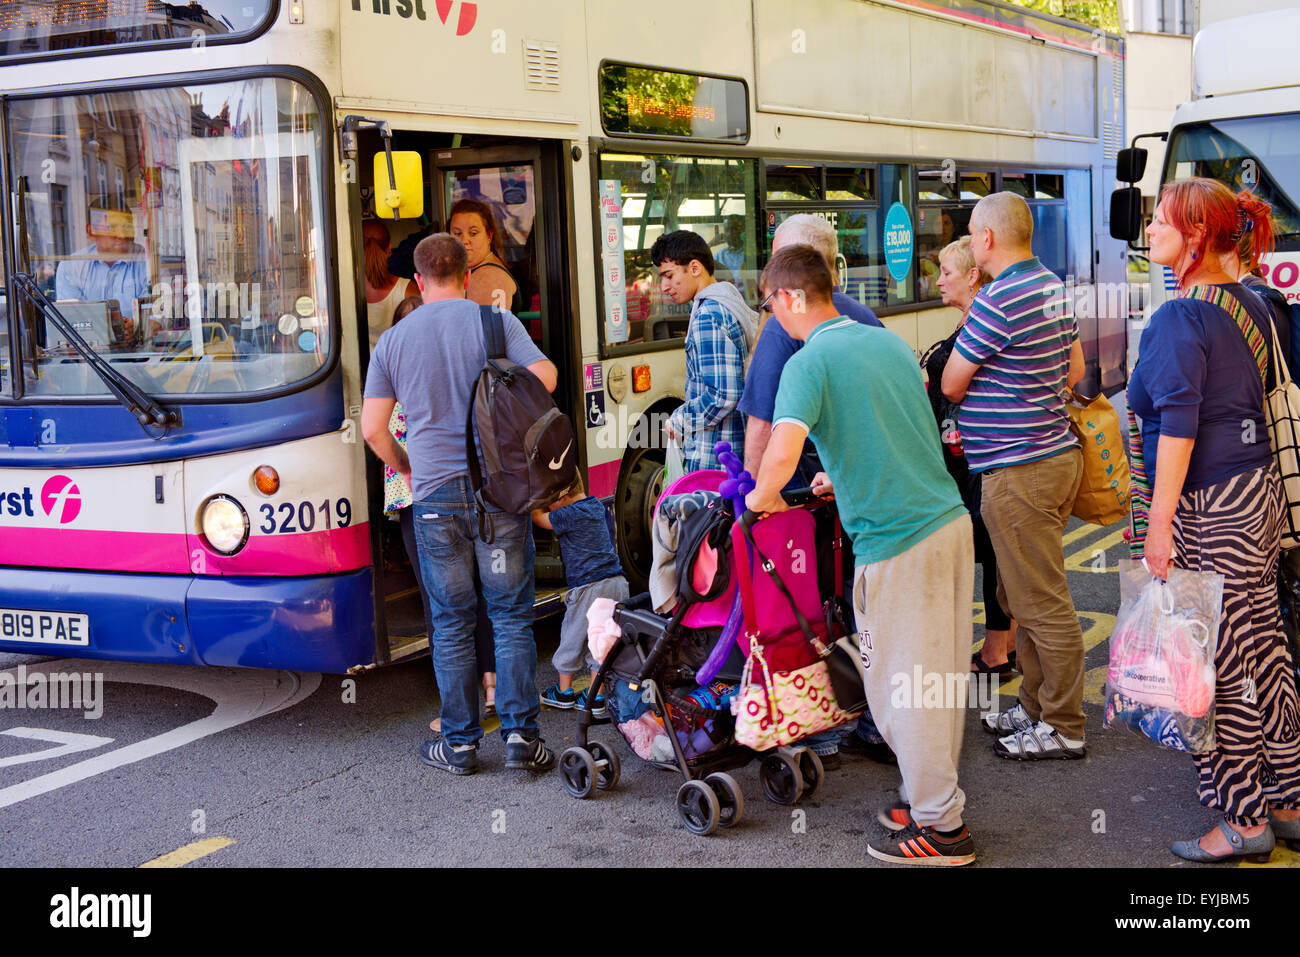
x: 224, y: 523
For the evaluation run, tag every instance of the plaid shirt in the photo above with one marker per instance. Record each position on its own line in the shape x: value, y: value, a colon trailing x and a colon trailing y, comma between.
x: 716, y: 352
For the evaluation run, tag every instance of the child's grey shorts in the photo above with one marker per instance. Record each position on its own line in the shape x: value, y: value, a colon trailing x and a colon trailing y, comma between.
x: 572, y: 653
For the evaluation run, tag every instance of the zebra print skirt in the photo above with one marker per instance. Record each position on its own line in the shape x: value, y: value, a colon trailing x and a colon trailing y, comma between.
x: 1234, y: 528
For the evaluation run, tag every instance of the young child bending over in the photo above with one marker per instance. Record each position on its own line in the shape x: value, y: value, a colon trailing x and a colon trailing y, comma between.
x: 592, y: 570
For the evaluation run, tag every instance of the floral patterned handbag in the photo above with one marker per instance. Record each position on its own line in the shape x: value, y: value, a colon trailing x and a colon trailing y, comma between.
x: 786, y: 706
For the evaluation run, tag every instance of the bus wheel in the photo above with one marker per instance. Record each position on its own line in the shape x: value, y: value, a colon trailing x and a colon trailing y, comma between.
x: 639, y: 486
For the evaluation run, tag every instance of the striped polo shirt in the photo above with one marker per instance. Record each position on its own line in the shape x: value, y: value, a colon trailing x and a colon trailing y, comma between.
x: 1019, y: 333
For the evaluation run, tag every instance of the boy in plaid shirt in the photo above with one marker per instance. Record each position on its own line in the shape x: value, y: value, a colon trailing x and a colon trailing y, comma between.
x: 718, y: 344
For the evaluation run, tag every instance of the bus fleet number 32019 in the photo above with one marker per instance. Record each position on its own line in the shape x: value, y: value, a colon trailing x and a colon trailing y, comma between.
x: 305, y: 516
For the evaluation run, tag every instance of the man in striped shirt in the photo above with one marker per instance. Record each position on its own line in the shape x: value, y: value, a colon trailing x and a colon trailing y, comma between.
x: 1013, y: 359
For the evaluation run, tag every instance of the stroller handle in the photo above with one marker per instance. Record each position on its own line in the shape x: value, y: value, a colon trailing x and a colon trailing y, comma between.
x: 795, y: 498
x: 800, y: 496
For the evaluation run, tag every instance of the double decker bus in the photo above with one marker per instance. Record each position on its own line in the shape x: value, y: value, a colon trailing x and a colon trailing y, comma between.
x: 184, y: 336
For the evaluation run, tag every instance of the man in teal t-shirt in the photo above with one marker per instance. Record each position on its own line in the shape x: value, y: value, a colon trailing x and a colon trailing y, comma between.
x: 866, y: 410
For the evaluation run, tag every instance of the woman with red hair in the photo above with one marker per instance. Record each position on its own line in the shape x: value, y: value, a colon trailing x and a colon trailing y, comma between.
x: 1202, y: 462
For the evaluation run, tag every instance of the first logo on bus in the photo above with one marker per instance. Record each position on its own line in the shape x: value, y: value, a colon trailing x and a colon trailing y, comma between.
x: 405, y: 8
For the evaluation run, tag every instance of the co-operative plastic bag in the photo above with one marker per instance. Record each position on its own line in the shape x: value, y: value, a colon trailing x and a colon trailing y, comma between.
x: 1161, y: 678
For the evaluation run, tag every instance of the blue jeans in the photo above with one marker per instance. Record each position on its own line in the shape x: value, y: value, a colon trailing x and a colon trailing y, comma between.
x: 824, y: 743
x: 482, y: 630
x: 866, y: 729
x: 446, y: 532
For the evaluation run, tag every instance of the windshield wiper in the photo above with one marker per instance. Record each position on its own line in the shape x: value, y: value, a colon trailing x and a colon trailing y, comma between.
x: 146, y: 410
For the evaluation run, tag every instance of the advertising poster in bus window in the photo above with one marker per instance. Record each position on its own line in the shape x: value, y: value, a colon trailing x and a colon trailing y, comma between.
x: 613, y: 272
x: 898, y: 242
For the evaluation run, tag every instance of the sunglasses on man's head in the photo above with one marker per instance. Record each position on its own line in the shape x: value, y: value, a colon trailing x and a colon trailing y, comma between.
x: 765, y: 305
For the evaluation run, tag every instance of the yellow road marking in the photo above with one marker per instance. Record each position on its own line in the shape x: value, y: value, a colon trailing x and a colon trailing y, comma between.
x: 1081, y: 561
x: 1282, y: 857
x: 190, y: 852
x: 1083, y: 531
x: 1094, y: 680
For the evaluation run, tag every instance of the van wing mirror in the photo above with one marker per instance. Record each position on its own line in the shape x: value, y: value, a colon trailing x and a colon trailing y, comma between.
x: 1130, y: 164
x: 1126, y: 214
x: 399, y: 191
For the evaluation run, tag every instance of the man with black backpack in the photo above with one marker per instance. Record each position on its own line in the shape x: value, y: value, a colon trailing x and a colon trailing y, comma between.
x: 431, y: 363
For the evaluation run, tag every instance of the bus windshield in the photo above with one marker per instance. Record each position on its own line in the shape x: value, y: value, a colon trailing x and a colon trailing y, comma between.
x: 1260, y: 152
x: 180, y: 231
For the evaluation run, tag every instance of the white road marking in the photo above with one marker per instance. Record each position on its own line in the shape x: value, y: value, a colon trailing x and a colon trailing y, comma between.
x: 241, y: 695
x: 66, y: 742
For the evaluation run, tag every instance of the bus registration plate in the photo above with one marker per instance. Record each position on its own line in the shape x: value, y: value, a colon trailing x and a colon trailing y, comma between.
x: 44, y: 627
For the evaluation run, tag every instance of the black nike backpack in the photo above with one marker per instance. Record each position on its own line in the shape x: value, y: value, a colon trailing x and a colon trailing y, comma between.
x: 530, y: 455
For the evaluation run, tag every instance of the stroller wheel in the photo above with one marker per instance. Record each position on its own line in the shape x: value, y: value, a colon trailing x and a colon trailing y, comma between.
x: 781, y: 777
x: 810, y: 766
x: 698, y: 808
x: 578, y: 769
x: 606, y: 765
x: 730, y: 799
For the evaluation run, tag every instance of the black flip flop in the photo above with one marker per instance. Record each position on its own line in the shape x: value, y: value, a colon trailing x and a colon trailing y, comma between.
x: 982, y: 668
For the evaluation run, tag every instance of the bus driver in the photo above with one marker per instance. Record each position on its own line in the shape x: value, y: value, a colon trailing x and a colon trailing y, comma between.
x: 111, y: 267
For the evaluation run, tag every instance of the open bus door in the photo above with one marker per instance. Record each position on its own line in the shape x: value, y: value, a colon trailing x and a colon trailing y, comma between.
x: 524, y: 183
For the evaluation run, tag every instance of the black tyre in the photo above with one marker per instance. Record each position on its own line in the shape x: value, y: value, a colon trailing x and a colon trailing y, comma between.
x: 698, y: 807
x: 578, y: 771
x: 608, y: 771
x: 781, y: 777
x: 731, y: 802
x: 810, y: 767
x: 639, y: 485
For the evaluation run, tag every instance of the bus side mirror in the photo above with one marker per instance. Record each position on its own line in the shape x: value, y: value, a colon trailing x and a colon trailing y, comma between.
x: 1126, y: 214
x: 402, y: 195
x: 1130, y: 164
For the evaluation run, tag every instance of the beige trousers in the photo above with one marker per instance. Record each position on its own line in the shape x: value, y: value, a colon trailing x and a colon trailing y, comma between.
x: 1025, y: 508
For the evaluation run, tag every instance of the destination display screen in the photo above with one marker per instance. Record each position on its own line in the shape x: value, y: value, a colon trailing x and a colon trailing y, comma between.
x: 30, y: 27
x: 637, y: 101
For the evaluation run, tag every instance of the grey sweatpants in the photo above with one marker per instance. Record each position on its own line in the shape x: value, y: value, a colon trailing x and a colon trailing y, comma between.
x: 914, y: 623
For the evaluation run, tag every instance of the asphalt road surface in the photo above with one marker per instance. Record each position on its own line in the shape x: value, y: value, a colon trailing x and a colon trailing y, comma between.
x: 221, y: 767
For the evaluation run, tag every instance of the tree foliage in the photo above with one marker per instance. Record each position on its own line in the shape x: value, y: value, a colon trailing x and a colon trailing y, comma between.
x: 1095, y: 13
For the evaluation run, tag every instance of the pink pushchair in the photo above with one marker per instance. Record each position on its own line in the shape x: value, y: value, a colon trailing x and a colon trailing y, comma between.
x: 685, y: 667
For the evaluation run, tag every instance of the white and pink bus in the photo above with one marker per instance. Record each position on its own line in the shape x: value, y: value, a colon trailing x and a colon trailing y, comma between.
x: 1241, y: 127
x: 184, y: 337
